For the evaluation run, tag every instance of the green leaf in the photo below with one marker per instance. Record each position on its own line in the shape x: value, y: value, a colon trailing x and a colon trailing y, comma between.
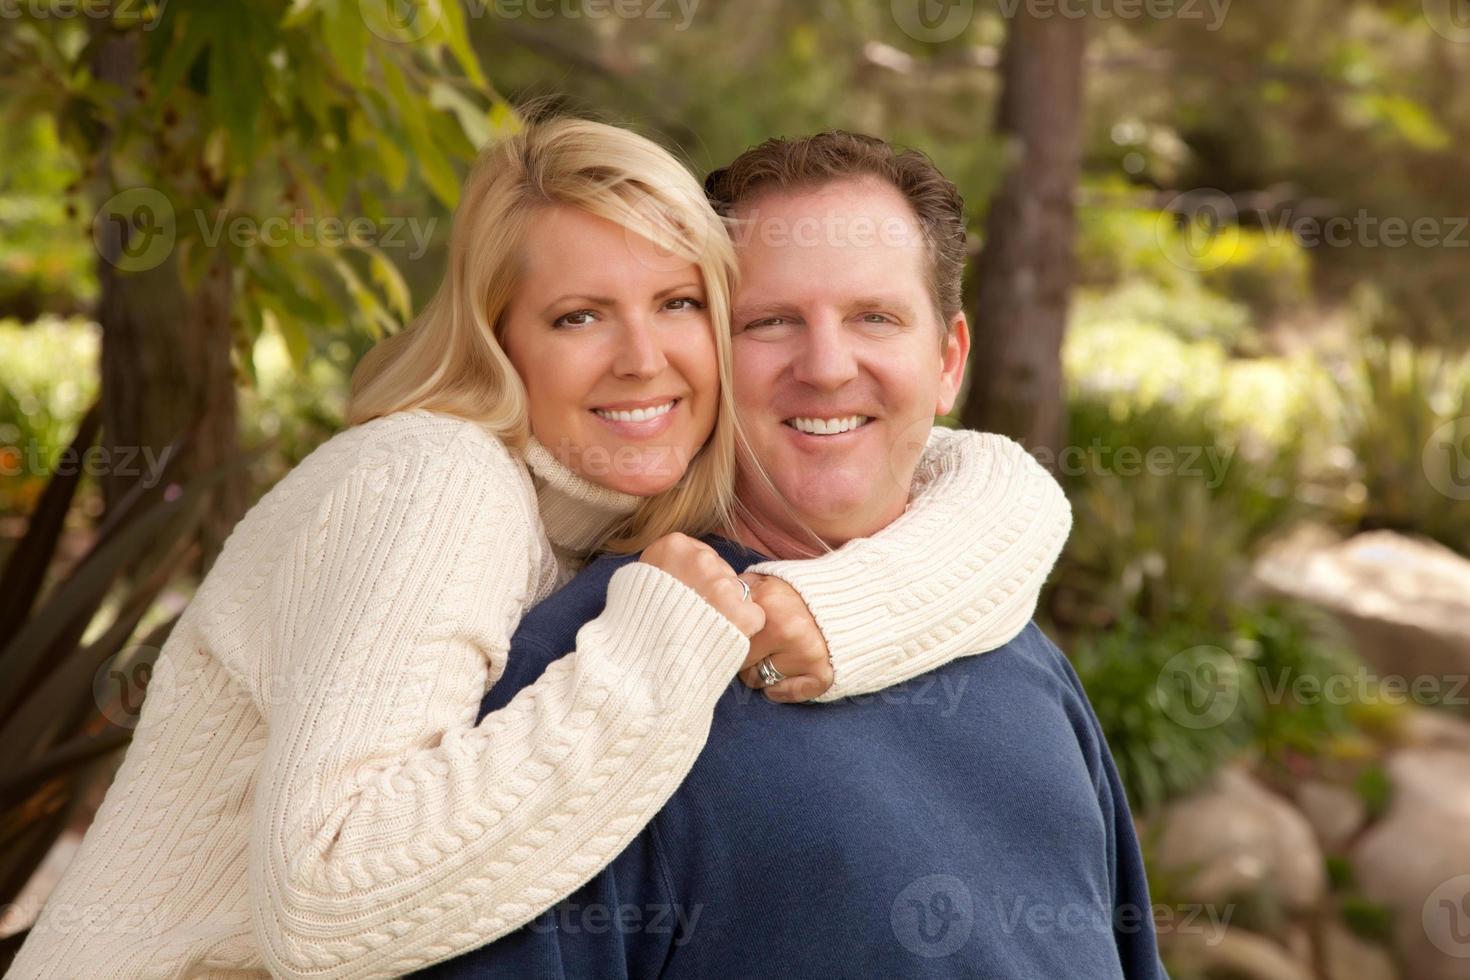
x: 472, y: 119
x: 387, y: 276
x: 346, y: 37
x: 433, y: 167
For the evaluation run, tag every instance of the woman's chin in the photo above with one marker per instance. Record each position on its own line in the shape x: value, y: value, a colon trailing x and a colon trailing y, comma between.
x: 648, y: 483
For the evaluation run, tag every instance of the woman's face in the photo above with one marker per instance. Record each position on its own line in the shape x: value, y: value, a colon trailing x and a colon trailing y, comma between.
x: 616, y: 351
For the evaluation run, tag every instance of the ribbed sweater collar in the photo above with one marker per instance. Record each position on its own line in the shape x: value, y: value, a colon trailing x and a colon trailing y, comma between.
x: 575, y: 511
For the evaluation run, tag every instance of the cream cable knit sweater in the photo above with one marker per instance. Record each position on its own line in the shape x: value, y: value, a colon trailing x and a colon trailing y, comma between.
x: 307, y: 793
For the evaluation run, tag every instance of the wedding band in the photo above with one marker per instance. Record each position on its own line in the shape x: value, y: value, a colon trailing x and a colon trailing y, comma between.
x: 769, y: 674
x: 744, y: 590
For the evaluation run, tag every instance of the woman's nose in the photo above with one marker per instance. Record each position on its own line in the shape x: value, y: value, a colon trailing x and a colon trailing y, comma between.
x: 639, y: 353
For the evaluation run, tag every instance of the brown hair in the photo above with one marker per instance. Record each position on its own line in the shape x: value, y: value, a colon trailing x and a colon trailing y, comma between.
x: 789, y: 164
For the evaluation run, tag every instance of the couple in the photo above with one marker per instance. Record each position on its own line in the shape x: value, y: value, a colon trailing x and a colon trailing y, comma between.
x: 321, y: 791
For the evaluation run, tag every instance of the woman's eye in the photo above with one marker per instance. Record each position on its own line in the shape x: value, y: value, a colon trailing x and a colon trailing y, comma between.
x: 684, y: 303
x: 577, y: 318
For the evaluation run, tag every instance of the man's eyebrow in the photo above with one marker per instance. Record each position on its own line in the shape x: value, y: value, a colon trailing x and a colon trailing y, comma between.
x: 891, y: 303
x: 760, y: 310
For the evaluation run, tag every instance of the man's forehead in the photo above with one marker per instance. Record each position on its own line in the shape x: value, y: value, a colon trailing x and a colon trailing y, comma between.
x: 851, y: 212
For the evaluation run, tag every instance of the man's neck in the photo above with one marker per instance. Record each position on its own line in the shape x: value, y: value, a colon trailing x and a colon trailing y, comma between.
x: 755, y: 532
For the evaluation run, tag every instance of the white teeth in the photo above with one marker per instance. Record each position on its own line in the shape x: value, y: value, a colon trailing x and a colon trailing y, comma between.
x: 826, y: 427
x: 637, y: 414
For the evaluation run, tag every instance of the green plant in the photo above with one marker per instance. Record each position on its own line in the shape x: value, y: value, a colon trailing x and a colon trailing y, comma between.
x: 1405, y: 412
x: 1147, y: 687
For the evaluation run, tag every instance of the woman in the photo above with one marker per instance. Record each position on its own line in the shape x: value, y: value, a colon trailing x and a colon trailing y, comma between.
x: 307, y: 792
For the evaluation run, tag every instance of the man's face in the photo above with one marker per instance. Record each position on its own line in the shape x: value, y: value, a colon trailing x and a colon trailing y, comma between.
x: 839, y: 368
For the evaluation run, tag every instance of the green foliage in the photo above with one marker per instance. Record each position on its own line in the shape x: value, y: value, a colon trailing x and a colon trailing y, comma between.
x: 1177, y: 701
x: 316, y: 143
x: 47, y: 380
x: 1370, y: 920
x: 1405, y: 411
x: 1181, y: 459
x: 1375, y: 790
x: 1142, y: 682
x: 45, y: 251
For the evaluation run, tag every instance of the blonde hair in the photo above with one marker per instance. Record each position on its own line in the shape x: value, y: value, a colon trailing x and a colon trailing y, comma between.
x: 451, y: 359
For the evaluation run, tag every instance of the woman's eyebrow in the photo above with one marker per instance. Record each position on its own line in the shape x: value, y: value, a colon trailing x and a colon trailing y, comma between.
x: 580, y: 297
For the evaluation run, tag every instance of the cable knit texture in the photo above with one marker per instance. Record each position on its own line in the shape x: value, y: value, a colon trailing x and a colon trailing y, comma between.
x: 307, y: 794
x: 958, y: 573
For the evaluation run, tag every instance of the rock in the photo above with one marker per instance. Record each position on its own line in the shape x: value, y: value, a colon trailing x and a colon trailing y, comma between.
x: 1241, y: 839
x: 1335, y: 812
x: 1416, y: 861
x: 1405, y: 602
x: 1237, y: 955
x: 1436, y: 729
x: 1347, y: 957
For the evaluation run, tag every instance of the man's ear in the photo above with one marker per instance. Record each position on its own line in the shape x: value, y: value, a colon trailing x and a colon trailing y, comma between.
x: 952, y: 363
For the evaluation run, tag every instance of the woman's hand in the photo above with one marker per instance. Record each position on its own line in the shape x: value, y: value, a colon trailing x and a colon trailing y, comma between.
x: 791, y: 638
x: 701, y: 568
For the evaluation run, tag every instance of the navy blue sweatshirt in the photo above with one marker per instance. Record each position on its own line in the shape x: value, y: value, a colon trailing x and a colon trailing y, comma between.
x: 966, y: 823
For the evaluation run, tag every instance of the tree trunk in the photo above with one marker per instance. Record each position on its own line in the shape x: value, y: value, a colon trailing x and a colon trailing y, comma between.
x: 166, y: 366
x: 1026, y: 267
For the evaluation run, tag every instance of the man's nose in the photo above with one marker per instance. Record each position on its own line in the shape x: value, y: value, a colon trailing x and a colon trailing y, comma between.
x: 639, y: 353
x: 826, y: 359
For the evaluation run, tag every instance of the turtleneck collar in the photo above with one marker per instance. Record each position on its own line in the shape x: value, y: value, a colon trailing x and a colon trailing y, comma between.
x: 575, y: 511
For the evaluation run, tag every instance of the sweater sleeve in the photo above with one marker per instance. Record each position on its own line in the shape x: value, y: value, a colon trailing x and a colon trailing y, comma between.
x: 390, y: 831
x: 959, y: 573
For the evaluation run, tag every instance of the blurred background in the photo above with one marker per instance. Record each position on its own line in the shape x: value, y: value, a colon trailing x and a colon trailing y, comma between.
x: 1219, y: 281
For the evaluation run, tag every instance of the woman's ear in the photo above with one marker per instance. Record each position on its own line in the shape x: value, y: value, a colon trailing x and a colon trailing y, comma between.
x: 953, y: 358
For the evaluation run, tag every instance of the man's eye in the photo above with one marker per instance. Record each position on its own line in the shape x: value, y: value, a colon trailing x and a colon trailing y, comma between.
x: 577, y: 318
x: 877, y: 318
x: 770, y: 321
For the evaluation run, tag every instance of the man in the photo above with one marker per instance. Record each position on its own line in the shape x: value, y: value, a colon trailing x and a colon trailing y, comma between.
x: 969, y: 822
